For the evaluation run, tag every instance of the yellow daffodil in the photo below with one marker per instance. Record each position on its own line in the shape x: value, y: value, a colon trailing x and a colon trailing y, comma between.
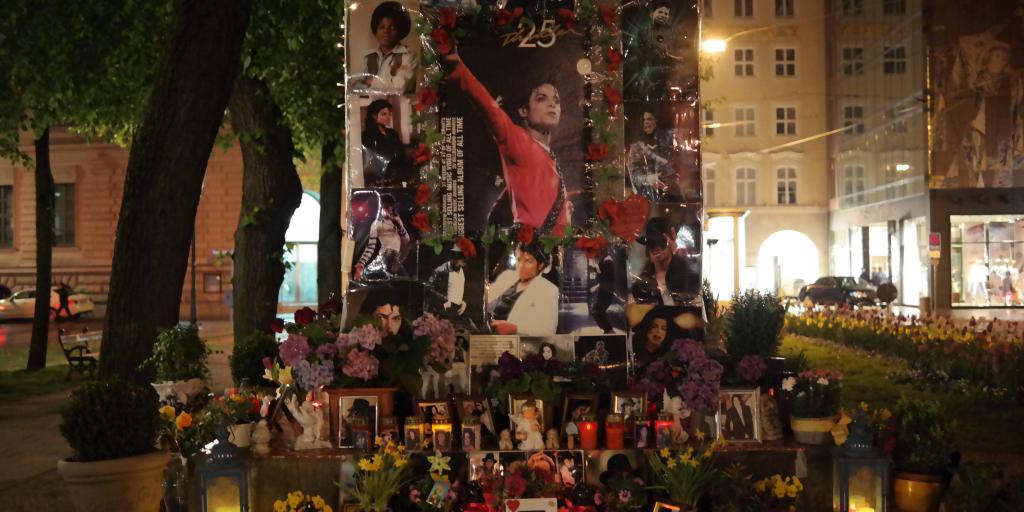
x: 294, y: 499
x: 318, y: 502
x: 401, y: 461
x: 167, y: 412
x: 791, y: 491
x: 183, y: 421
x: 671, y: 463
x: 760, y: 485
x: 439, y: 463
x: 665, y: 453
x: 707, y: 454
x: 700, y: 435
x: 367, y: 465
x: 327, y: 508
x: 779, y: 491
x: 284, y: 377
x: 693, y: 463
x: 280, y: 506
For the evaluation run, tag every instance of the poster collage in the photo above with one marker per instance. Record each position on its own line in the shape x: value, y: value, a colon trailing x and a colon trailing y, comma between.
x: 530, y: 171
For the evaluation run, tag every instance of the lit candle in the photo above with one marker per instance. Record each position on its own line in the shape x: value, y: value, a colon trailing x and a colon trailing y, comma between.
x: 613, y: 431
x: 388, y: 429
x: 663, y: 430
x: 642, y: 438
x: 588, y: 432
x: 413, y: 434
x: 442, y: 433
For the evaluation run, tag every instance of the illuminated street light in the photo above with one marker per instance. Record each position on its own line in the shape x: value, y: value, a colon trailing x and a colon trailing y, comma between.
x: 713, y: 45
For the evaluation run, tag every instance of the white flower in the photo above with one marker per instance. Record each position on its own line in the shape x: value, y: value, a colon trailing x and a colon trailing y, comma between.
x: 823, y: 381
x: 788, y: 383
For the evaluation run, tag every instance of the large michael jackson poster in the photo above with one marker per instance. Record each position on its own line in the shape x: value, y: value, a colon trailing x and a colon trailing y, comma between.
x: 511, y: 126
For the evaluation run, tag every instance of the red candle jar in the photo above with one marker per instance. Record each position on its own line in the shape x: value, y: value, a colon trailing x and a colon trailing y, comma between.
x: 663, y: 430
x: 614, y: 429
x: 588, y: 432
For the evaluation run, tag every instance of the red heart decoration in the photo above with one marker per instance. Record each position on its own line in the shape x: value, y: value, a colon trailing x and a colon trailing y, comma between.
x: 512, y: 505
x: 633, y: 213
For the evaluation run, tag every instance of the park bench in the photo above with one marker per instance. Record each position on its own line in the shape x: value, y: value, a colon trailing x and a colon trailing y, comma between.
x: 81, y: 358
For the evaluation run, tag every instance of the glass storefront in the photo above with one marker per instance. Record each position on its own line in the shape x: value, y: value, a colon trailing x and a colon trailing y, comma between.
x: 987, y: 254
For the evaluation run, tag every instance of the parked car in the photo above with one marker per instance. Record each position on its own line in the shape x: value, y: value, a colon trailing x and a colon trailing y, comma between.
x: 23, y: 304
x: 838, y: 290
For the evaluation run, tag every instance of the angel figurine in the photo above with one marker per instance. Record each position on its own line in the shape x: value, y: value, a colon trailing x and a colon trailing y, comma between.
x: 677, y: 408
x: 312, y: 422
x: 505, y: 440
x: 528, y: 427
x: 552, y: 442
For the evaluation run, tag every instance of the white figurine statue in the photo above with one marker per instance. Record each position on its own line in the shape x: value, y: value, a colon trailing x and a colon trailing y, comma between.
x: 505, y: 440
x: 528, y: 427
x: 677, y: 408
x: 261, y: 437
x: 552, y: 441
x: 430, y: 380
x: 312, y: 422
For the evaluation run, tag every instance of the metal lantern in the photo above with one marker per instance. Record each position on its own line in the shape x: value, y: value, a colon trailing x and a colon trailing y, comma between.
x: 224, y: 477
x: 862, y: 474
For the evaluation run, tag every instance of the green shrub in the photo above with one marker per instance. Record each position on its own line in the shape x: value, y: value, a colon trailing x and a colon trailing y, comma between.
x: 179, y: 354
x: 973, y: 488
x: 110, y: 419
x: 924, y: 436
x: 753, y: 324
x: 247, y: 358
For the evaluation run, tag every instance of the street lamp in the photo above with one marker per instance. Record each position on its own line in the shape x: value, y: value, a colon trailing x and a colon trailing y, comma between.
x: 714, y: 46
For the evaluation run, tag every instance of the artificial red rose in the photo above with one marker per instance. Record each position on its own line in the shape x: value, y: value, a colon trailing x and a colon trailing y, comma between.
x: 421, y: 221
x: 567, y: 17
x: 442, y: 41
x: 331, y: 306
x: 305, y: 316
x: 613, y: 97
x: 608, y: 15
x: 466, y: 246
x: 425, y: 98
x: 525, y: 234
x: 613, y: 59
x: 592, y: 246
x: 448, y: 17
x: 423, y: 194
x: 506, y: 16
x: 609, y: 210
x: 597, y: 152
x: 277, y: 325
x: 422, y: 154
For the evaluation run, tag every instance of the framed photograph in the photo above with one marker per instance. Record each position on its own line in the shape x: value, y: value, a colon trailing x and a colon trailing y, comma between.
x: 607, y: 352
x: 433, y: 409
x: 643, y: 438
x: 382, y: 237
x: 470, y: 438
x: 353, y: 406
x: 570, y: 467
x: 738, y: 411
x: 602, y: 465
x: 532, y: 505
x: 362, y: 440
x: 661, y: 506
x: 413, y: 439
x: 574, y: 406
x: 383, y: 48
x: 526, y: 415
x: 561, y: 348
x: 477, y: 406
x: 483, y: 463
x: 443, y: 440
x: 629, y: 404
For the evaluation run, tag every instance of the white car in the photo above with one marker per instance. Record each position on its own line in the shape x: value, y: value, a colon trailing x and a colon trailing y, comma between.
x: 23, y: 304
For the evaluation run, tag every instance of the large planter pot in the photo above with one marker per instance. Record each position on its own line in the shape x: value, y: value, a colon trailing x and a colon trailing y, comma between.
x: 385, y: 400
x: 916, y: 492
x: 813, y: 431
x: 130, y: 484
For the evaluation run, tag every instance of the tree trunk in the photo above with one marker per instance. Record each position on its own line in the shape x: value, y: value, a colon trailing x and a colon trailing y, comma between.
x: 328, y: 261
x: 44, y: 253
x: 271, y: 191
x: 164, y: 180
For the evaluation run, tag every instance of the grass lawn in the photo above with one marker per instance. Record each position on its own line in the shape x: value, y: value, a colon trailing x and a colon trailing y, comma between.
x: 981, y: 426
x: 15, y: 382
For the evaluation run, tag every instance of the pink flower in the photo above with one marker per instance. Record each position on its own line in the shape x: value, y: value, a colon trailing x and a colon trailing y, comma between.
x: 515, y: 485
x: 294, y: 349
x: 361, y: 365
x: 367, y: 337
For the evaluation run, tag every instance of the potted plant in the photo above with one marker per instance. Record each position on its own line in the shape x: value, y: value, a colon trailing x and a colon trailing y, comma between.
x: 381, y: 477
x: 924, y: 442
x: 686, y: 475
x: 246, y: 359
x: 814, y: 404
x: 179, y: 360
x: 239, y: 410
x: 112, y: 428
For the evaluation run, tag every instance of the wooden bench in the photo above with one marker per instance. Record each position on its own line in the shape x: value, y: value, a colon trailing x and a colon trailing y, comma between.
x: 81, y: 358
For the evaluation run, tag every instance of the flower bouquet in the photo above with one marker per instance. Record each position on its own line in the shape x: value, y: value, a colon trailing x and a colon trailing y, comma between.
x: 381, y: 476
x: 299, y: 502
x: 686, y: 371
x: 686, y: 475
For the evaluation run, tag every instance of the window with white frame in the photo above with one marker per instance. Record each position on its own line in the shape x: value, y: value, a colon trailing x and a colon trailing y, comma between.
x: 852, y: 7
x: 708, y: 8
x: 709, y: 186
x: 64, y: 215
x: 784, y: 8
x: 746, y: 121
x: 894, y: 6
x: 743, y: 8
x: 744, y: 61
x: 6, y: 216
x: 894, y: 60
x: 785, y: 185
x: 785, y: 62
x: 785, y: 120
x: 853, y: 119
x: 853, y: 182
x: 709, y: 124
x: 853, y: 61
x: 746, y: 186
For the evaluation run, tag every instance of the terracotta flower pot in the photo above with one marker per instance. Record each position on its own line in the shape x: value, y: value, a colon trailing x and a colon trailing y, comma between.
x: 916, y: 492
x: 813, y: 431
x: 129, y: 484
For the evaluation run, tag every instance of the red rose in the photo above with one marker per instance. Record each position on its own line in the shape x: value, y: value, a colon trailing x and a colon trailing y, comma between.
x: 609, y: 210
x: 597, y: 152
x: 613, y: 58
x: 422, y: 154
x: 466, y: 246
x: 305, y: 316
x: 331, y: 306
x: 613, y: 97
x: 592, y: 246
x: 608, y: 15
x: 442, y: 41
x: 421, y: 221
x: 505, y: 16
x: 525, y: 235
x: 277, y: 325
x: 423, y: 194
x: 567, y: 17
x: 425, y: 98
x: 448, y: 17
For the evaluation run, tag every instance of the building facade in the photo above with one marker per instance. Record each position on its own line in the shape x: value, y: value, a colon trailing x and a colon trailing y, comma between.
x: 765, y: 161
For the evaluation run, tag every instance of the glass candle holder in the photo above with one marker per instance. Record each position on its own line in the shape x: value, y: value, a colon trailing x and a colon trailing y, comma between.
x: 643, y: 438
x: 470, y: 434
x: 362, y: 436
x: 588, y: 432
x: 663, y: 430
x: 614, y: 430
x: 441, y: 432
x: 388, y: 430
x: 414, y: 433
